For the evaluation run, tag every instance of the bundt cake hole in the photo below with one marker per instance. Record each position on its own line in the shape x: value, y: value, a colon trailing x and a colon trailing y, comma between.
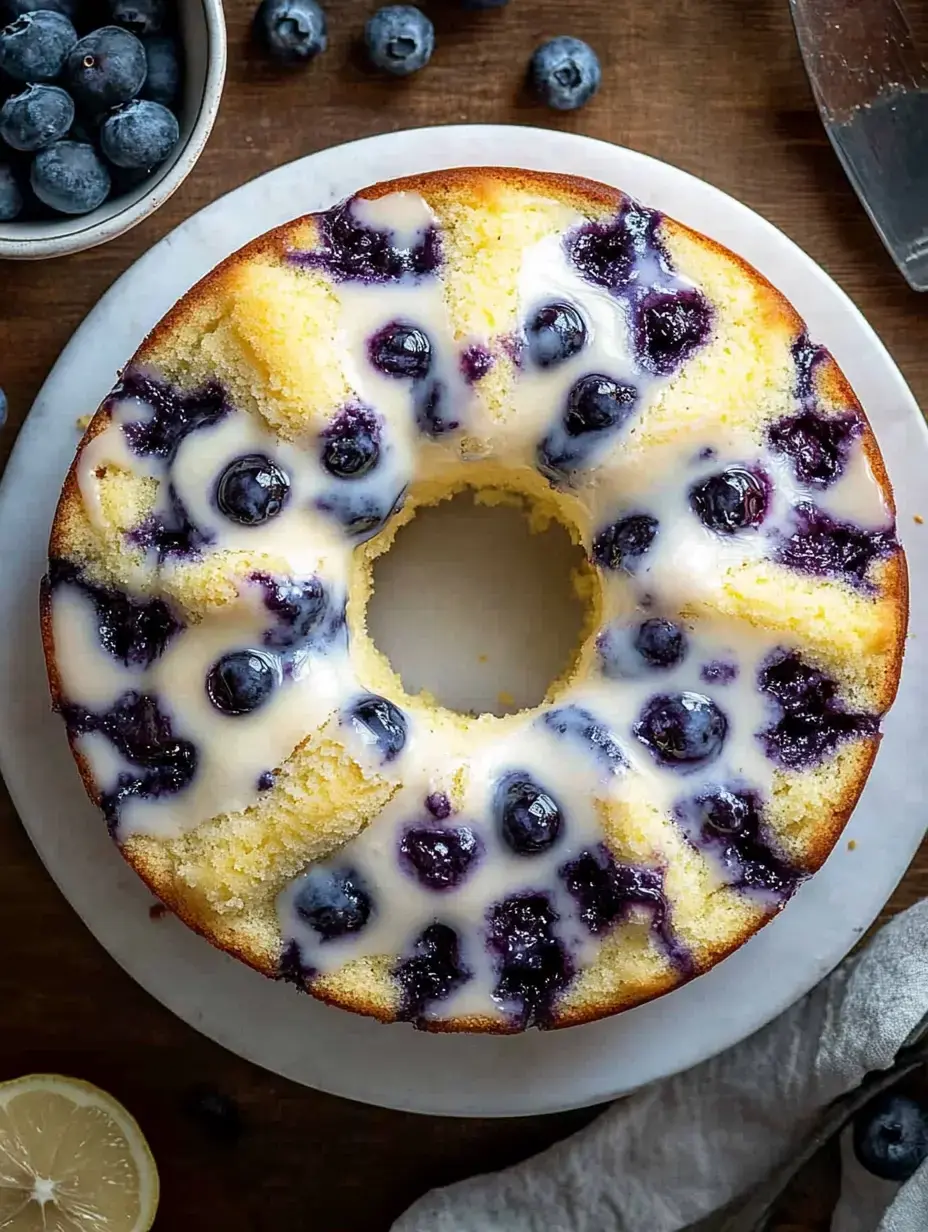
x: 479, y: 607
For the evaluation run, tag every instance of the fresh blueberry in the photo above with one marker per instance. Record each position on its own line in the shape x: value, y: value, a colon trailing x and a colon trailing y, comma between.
x: 139, y: 134
x: 106, y: 68
x: 11, y: 9
x: 532, y: 965
x: 432, y: 972
x: 528, y: 817
x: 333, y: 902
x: 380, y: 724
x: 291, y: 31
x: 733, y: 500
x: 252, y: 490
x: 242, y: 680
x: 400, y: 39
x: 622, y: 545
x: 565, y: 72
x: 70, y: 178
x: 401, y: 350
x: 579, y: 724
x: 685, y: 730
x: 162, y: 81
x: 4, y: 408
x: 438, y: 805
x: 35, y: 118
x: 11, y: 199
x: 299, y: 607
x: 819, y: 544
x: 555, y: 333
x: 35, y: 46
x: 440, y: 856
x: 660, y: 643
x: 596, y: 403
x: 216, y: 1114
x: 669, y: 326
x: 891, y: 1136
x: 351, y: 443
x: 142, y: 17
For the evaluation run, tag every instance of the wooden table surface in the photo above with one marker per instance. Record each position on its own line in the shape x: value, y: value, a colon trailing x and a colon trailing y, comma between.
x: 714, y: 86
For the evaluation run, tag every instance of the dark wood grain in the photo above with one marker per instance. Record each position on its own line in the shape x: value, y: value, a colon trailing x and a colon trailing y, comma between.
x: 714, y: 86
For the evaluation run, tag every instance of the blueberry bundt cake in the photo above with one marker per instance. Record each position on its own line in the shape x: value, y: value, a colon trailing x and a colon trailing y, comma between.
x: 535, y: 339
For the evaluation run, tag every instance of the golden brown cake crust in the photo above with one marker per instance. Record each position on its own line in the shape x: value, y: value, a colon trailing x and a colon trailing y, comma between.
x: 594, y: 200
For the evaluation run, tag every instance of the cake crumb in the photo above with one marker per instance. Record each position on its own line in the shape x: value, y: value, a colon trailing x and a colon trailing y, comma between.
x: 482, y: 658
x: 157, y: 911
x: 82, y: 422
x: 918, y: 519
x: 505, y: 699
x: 852, y: 844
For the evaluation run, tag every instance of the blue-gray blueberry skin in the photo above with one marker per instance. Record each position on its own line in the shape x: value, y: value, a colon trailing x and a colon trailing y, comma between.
x: 399, y: 39
x: 565, y: 73
x: 70, y: 177
x: 139, y: 134
x: 35, y: 46
x: 36, y: 117
x: 291, y: 31
x: 106, y: 68
x: 11, y: 198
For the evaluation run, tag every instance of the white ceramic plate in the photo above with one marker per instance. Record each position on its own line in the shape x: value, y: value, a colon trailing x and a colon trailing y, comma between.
x: 270, y: 1023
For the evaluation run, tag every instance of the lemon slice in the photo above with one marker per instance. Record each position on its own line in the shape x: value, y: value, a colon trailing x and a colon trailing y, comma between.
x: 71, y: 1160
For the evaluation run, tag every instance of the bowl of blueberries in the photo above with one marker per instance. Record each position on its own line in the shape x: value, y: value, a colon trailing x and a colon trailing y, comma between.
x: 105, y: 107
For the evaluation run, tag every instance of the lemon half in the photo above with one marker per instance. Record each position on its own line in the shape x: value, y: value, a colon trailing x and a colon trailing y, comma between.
x: 72, y: 1159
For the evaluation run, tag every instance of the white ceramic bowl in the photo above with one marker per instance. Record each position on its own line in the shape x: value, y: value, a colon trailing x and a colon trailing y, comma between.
x: 203, y: 32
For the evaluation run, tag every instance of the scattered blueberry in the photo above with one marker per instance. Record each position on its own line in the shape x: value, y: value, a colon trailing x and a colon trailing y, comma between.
x: 432, y: 972
x: 891, y: 1136
x: 685, y: 730
x: 351, y: 443
x: 299, y: 605
x: 819, y: 544
x: 432, y: 415
x: 162, y: 81
x: 35, y: 46
x: 36, y: 117
x: 252, y: 490
x: 581, y: 725
x: 614, y: 253
x: 730, y: 501
x: 134, y: 631
x: 70, y: 178
x: 401, y: 350
x: 604, y: 889
x: 352, y: 251
x: 266, y: 780
x: 669, y: 326
x: 381, y: 724
x: 292, y: 31
x: 242, y: 680
x: 565, y: 72
x: 475, y: 362
x: 11, y: 198
x: 139, y: 134
x: 218, y: 1115
x: 438, y: 805
x: 555, y: 333
x: 812, y: 719
x: 400, y: 39
x: 142, y: 17
x: 440, y: 856
x: 529, y: 818
x: 596, y: 403
x: 621, y: 545
x: 174, y: 414
x: 532, y: 965
x: 333, y: 902
x: 818, y: 447
x: 660, y: 643
x: 106, y: 68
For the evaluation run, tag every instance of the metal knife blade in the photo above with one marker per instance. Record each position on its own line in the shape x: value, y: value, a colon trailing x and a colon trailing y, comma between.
x: 871, y: 88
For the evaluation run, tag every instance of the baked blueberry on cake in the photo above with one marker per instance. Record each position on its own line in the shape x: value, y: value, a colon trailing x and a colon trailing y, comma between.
x: 538, y: 339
